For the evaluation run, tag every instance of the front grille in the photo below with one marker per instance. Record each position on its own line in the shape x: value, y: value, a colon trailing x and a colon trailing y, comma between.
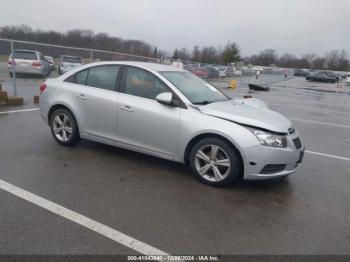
x: 270, y: 169
x: 291, y: 130
x: 297, y: 142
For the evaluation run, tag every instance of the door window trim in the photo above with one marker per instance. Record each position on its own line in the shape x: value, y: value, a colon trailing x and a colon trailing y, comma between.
x: 116, y: 84
x: 122, y: 80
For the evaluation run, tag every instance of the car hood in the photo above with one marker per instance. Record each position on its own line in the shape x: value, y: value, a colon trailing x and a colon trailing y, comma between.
x: 251, y: 112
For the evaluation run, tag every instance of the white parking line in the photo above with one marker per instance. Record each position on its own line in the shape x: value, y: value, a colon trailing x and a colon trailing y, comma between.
x: 18, y: 111
x: 82, y: 220
x: 328, y: 155
x: 318, y: 123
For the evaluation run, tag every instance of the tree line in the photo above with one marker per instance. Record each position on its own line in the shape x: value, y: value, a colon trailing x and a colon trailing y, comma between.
x: 332, y: 60
x: 210, y: 55
x: 84, y: 38
x: 230, y: 53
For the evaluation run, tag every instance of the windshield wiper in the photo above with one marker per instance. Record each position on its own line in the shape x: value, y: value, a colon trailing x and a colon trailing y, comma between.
x: 205, y: 102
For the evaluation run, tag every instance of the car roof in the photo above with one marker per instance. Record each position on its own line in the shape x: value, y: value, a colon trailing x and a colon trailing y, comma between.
x: 148, y: 65
x: 71, y: 56
x: 22, y: 50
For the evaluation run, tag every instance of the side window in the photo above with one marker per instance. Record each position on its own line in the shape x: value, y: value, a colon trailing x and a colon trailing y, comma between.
x: 141, y: 83
x: 70, y: 79
x: 80, y: 77
x: 104, y: 77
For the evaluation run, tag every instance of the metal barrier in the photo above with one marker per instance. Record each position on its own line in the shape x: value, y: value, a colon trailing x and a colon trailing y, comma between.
x: 21, y: 61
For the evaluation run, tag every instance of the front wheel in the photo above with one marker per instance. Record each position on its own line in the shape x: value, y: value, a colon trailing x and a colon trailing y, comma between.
x: 64, y: 127
x: 215, y: 162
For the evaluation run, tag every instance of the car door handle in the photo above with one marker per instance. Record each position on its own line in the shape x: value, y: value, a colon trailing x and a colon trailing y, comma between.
x: 127, y: 108
x: 82, y: 97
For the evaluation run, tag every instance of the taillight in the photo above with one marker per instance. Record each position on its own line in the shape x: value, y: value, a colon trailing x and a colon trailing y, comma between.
x: 42, y: 87
x: 36, y: 64
x: 10, y: 62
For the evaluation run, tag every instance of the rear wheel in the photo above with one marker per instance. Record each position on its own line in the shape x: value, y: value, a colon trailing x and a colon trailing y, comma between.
x: 64, y: 127
x: 215, y: 162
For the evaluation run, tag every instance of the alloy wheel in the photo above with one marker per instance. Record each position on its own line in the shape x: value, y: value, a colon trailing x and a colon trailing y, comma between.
x: 62, y: 127
x: 212, y: 163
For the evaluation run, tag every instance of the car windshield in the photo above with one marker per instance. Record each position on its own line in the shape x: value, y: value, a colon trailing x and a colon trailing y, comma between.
x: 194, y: 88
x: 71, y: 59
x: 25, y: 55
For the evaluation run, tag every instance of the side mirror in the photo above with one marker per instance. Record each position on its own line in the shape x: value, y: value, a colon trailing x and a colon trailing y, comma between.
x: 165, y: 98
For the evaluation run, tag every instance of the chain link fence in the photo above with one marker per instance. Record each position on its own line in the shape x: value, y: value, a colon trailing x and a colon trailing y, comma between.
x: 24, y: 65
x: 264, y: 76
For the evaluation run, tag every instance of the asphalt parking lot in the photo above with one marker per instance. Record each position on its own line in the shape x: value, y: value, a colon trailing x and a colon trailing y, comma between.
x: 162, y: 205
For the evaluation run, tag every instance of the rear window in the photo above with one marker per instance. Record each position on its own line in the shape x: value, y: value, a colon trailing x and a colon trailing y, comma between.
x: 70, y: 59
x: 25, y: 55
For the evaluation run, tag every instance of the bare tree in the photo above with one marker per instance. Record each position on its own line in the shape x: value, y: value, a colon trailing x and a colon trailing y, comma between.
x: 287, y: 60
x: 319, y: 63
x: 78, y: 37
x: 343, y: 61
x: 196, y: 54
x: 332, y: 59
x: 310, y: 58
x: 267, y: 57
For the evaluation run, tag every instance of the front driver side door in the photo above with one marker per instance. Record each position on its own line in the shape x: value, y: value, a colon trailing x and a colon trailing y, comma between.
x: 144, y: 123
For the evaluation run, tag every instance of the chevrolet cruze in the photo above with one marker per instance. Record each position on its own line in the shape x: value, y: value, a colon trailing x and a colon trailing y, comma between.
x: 170, y: 113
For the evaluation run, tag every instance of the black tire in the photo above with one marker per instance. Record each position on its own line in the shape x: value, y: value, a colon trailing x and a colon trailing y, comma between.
x: 235, y: 171
x: 74, y: 138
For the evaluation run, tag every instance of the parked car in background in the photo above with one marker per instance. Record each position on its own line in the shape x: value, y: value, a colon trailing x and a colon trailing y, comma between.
x: 171, y: 113
x: 68, y: 63
x: 332, y: 74
x: 247, y: 71
x: 321, y: 78
x: 237, y: 73
x: 343, y: 75
x: 199, y: 71
x: 301, y: 72
x: 222, y: 72
x: 229, y: 71
x: 347, y: 81
x: 213, y: 72
x: 28, y: 62
x: 51, y: 62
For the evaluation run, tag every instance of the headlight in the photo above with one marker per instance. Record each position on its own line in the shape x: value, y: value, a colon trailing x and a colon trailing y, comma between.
x: 269, y: 139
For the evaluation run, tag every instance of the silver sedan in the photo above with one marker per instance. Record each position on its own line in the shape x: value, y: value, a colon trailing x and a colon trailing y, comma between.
x: 171, y: 113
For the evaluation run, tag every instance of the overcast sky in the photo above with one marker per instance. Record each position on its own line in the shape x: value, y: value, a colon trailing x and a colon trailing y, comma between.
x: 296, y: 26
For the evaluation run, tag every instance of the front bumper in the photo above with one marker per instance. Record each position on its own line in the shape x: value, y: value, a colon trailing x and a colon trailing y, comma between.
x: 259, y: 157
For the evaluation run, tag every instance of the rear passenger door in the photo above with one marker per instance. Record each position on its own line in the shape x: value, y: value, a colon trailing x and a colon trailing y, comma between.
x: 96, y: 101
